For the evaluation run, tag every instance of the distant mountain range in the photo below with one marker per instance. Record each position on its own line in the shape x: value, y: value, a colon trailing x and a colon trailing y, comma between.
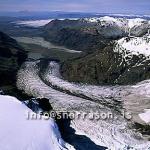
x: 45, y: 15
x: 61, y: 14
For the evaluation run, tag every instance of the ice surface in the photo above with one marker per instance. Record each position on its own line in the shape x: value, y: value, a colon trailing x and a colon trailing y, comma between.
x: 121, y: 22
x: 143, y: 88
x: 114, y: 134
x: 145, y: 116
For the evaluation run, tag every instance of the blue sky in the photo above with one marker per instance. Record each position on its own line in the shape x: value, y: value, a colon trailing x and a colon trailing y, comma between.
x: 101, y: 6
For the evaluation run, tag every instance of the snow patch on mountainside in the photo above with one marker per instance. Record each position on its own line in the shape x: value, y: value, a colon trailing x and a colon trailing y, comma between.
x: 143, y: 88
x: 19, y: 133
x: 108, y: 21
x: 135, y: 22
x: 145, y: 116
x: 130, y: 46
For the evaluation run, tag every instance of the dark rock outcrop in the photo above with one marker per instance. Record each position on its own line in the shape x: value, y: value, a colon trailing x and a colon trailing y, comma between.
x: 105, y: 67
x: 11, y: 57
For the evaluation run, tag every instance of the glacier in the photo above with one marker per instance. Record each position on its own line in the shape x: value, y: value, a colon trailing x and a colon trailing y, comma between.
x: 112, y: 133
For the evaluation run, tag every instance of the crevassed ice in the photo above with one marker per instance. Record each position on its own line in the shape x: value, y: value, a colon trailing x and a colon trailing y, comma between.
x: 113, y: 134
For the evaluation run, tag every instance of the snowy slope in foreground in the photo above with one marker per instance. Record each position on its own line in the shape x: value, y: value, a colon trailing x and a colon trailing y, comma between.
x: 19, y: 133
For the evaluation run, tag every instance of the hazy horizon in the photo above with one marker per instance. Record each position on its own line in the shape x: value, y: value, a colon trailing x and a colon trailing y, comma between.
x: 51, y: 11
x: 87, y: 6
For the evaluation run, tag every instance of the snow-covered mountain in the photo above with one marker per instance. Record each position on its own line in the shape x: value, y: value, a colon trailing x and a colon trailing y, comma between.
x: 121, y: 25
x: 135, y: 26
x: 18, y: 132
x: 129, y: 23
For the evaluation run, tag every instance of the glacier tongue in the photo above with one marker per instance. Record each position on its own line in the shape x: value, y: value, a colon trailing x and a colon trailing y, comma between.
x: 112, y: 133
